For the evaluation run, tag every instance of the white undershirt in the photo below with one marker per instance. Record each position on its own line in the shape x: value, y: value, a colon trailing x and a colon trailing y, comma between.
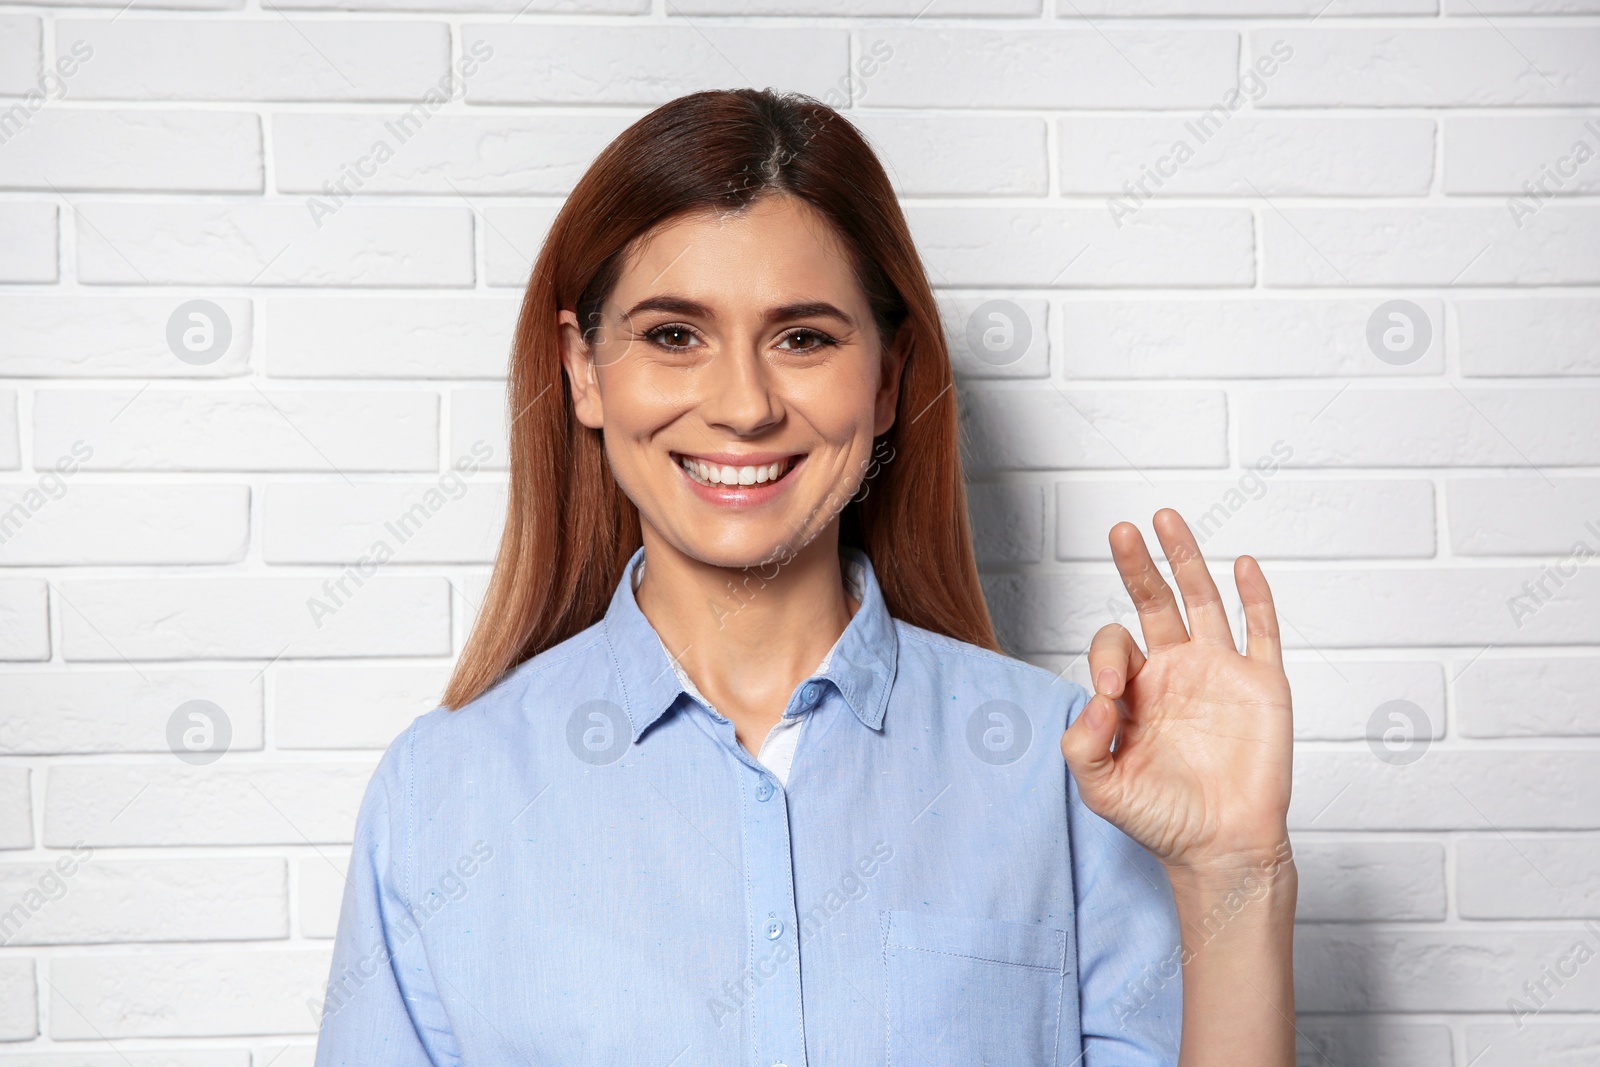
x: 777, y: 751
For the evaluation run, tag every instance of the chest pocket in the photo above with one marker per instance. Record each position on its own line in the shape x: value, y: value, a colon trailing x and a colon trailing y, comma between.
x: 963, y: 991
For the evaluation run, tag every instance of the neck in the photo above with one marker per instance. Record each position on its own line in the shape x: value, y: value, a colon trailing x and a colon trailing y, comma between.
x: 746, y: 636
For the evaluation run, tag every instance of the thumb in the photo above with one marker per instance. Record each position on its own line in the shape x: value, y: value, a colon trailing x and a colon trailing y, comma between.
x: 1087, y: 748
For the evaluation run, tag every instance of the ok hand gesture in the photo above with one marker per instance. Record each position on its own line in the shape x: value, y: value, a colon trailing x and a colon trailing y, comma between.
x: 1199, y: 774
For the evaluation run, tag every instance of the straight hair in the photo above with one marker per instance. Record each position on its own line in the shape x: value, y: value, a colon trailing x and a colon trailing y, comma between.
x: 570, y: 529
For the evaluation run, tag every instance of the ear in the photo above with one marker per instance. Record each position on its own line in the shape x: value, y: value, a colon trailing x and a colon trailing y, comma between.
x: 578, y: 362
x: 887, y: 401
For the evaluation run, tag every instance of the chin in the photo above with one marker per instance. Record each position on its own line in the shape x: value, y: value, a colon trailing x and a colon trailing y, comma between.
x: 742, y: 552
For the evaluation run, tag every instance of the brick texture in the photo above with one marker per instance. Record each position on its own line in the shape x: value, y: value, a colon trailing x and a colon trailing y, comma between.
x: 1320, y: 275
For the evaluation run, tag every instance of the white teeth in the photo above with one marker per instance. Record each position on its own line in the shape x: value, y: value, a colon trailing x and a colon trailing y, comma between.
x: 718, y: 474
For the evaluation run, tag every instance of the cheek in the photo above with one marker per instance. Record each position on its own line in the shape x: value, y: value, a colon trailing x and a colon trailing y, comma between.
x: 633, y: 414
x: 637, y: 403
x: 840, y: 407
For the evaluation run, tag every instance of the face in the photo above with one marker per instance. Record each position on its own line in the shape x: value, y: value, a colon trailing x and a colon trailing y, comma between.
x: 739, y: 381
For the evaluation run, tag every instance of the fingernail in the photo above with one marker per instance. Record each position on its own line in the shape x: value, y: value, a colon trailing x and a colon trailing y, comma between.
x: 1105, y: 681
x: 1095, y: 714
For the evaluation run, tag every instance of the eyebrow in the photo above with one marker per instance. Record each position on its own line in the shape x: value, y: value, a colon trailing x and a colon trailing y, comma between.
x: 678, y: 305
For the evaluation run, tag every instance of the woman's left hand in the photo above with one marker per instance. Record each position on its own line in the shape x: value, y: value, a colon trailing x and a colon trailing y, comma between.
x: 1200, y: 773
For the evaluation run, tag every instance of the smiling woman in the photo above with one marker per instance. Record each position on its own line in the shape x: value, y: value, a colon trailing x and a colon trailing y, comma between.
x: 758, y: 784
x: 729, y: 382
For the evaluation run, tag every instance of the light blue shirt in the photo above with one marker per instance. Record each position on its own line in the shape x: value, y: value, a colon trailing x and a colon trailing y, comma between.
x: 584, y: 866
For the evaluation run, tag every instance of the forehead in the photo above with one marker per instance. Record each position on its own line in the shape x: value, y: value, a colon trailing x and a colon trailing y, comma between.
x: 778, y: 248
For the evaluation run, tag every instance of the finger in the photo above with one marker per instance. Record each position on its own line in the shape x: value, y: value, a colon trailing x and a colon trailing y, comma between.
x: 1087, y: 748
x: 1159, y: 616
x: 1114, y: 657
x: 1208, y: 620
x: 1260, y: 616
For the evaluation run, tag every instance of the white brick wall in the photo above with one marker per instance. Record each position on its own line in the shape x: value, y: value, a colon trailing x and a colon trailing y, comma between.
x: 1198, y: 209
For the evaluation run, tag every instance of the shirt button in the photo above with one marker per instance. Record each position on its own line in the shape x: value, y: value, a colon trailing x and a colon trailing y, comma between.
x: 764, y: 790
x: 774, y: 929
x: 810, y: 693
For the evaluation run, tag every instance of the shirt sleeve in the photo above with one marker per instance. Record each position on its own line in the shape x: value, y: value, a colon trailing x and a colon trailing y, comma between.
x: 379, y: 972
x: 1130, y: 974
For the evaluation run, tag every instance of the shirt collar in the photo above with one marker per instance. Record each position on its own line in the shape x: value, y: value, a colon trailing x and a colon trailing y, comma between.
x: 861, y: 663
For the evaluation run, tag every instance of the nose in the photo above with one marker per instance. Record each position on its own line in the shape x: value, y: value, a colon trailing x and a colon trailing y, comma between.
x: 739, y: 396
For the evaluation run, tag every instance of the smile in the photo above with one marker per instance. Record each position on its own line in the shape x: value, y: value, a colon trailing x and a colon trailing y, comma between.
x: 712, y: 473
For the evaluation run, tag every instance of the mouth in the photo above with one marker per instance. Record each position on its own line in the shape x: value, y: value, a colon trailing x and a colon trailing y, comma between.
x: 723, y: 472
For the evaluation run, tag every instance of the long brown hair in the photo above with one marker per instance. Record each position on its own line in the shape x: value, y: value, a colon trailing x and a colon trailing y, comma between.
x: 569, y: 528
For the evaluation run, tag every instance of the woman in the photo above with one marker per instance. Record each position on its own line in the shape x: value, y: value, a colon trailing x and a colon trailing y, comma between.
x: 730, y: 771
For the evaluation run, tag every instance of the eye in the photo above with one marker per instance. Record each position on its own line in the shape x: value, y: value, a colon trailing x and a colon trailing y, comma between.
x: 672, y: 335
x: 808, y: 340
